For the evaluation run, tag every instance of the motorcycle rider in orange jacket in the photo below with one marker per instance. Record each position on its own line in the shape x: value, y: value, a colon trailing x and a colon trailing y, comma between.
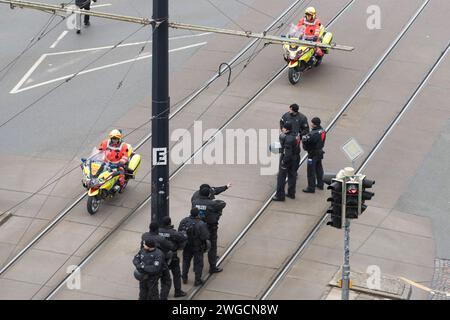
x: 311, y: 27
x: 116, y: 152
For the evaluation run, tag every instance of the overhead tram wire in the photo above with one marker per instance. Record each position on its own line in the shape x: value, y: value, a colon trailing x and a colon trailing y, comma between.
x: 225, y: 15
x: 39, y: 36
x: 254, y: 9
x: 281, y: 25
x: 69, y: 79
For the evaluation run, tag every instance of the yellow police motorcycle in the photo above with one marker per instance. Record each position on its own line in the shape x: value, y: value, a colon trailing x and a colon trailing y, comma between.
x: 302, y: 58
x: 101, y: 177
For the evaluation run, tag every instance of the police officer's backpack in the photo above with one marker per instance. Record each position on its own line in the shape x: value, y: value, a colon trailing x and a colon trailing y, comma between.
x: 191, y: 230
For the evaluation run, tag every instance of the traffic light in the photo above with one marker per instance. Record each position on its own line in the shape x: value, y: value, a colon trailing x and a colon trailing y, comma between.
x: 366, y: 195
x: 352, y: 189
x: 336, y: 198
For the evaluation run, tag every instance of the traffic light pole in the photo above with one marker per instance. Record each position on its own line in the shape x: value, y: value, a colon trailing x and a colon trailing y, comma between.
x: 160, y: 111
x: 346, y: 266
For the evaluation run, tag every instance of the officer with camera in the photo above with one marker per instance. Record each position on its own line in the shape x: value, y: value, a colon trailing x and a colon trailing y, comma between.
x: 167, y: 248
x: 150, y: 263
x: 290, y: 154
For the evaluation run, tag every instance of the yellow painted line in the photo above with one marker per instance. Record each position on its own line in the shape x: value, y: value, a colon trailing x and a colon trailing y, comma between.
x: 422, y: 287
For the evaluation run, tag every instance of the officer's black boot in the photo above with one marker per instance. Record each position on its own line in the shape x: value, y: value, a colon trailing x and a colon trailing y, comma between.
x: 278, y: 198
x: 179, y: 293
x: 215, y: 270
x: 198, y: 282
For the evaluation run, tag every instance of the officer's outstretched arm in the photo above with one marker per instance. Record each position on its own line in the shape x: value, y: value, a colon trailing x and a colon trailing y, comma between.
x: 219, y: 190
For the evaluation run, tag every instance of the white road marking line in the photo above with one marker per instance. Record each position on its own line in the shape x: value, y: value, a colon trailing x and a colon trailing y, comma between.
x: 28, y: 74
x: 101, y: 5
x: 125, y: 44
x: 17, y: 90
x: 63, y: 34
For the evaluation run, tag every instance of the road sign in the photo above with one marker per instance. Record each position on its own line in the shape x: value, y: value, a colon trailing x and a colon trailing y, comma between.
x: 352, y: 149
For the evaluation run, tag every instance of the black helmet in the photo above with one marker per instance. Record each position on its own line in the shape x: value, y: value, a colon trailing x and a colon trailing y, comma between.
x: 316, y: 121
x: 194, y: 212
x: 205, y: 190
x: 166, y: 221
x: 150, y: 243
x: 294, y: 107
x: 154, y: 226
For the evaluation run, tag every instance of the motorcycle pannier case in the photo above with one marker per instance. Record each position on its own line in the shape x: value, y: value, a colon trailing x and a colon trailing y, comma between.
x: 327, y: 40
x: 134, y: 164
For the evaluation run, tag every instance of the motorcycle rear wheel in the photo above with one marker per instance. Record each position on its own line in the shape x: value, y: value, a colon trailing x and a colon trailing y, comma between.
x: 93, y: 204
x: 294, y: 76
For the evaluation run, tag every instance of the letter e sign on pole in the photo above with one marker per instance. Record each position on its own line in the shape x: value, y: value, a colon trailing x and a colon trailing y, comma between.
x: 159, y: 156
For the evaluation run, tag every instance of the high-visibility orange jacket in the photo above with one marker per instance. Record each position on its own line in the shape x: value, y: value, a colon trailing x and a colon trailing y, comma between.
x: 312, y: 28
x: 115, y: 154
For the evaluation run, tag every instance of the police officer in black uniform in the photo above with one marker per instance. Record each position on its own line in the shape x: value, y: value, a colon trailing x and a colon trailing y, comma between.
x: 197, y: 234
x: 290, y: 154
x: 167, y: 247
x: 149, y: 263
x: 300, y: 126
x: 313, y: 143
x: 210, y: 211
x: 214, y: 191
x: 179, y: 239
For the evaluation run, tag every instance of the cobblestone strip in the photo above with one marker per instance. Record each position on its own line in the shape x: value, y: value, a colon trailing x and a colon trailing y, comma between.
x: 441, y: 280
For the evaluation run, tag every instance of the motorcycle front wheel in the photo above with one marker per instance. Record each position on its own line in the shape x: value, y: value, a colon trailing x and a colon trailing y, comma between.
x: 294, y: 75
x: 93, y: 204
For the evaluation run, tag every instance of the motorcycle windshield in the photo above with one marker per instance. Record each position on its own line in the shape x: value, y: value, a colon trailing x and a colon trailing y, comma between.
x: 97, y: 155
x: 296, y: 33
